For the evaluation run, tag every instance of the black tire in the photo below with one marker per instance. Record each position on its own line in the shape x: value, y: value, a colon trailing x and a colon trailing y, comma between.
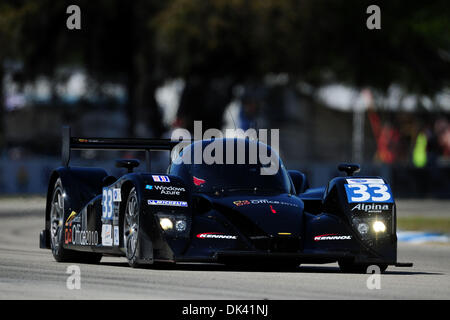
x: 350, y: 267
x: 283, y: 266
x: 57, y: 220
x: 131, y: 229
x: 291, y: 266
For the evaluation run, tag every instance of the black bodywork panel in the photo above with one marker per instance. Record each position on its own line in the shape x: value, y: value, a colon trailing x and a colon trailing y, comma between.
x: 314, y: 226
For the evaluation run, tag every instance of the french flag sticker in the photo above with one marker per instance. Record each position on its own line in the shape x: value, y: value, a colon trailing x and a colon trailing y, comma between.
x: 161, y: 178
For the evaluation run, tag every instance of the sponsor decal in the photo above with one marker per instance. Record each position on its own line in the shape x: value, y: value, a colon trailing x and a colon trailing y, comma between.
x: 169, y: 190
x: 239, y: 203
x: 68, y: 235
x: 358, y: 192
x: 198, y: 181
x: 167, y: 203
x: 116, y: 235
x: 149, y: 187
x: 265, y: 201
x: 272, y: 209
x: 372, y: 207
x: 365, y: 181
x: 106, y: 235
x: 215, y: 235
x: 70, y: 218
x: 331, y: 237
x: 160, y: 178
x: 83, y: 238
x: 117, y: 196
x: 68, y: 228
x: 107, y: 204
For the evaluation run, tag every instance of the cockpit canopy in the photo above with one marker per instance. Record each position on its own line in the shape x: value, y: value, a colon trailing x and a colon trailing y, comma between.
x: 231, y: 164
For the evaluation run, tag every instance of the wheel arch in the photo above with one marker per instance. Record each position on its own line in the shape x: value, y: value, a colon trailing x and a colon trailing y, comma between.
x: 80, y: 185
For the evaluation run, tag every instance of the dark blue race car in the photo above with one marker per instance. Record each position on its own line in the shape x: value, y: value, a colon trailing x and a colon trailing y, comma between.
x: 225, y: 213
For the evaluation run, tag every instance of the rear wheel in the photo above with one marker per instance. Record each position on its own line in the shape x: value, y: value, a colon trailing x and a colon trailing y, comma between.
x: 57, y: 231
x: 131, y: 228
x: 350, y: 267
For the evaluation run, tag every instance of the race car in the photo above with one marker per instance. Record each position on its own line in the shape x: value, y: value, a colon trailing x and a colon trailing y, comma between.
x: 216, y: 212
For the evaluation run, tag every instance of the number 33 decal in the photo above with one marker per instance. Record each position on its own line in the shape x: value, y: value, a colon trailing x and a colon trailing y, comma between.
x: 107, y: 204
x: 368, y: 193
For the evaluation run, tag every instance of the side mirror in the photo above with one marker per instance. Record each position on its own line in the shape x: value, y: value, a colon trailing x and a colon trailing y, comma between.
x: 299, y: 180
x: 349, y: 168
x: 129, y: 164
x: 201, y: 204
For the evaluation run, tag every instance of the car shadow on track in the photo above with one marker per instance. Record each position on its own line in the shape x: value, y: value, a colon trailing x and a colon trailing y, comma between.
x: 211, y: 267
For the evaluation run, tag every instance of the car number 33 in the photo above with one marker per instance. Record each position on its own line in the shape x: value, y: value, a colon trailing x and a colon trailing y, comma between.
x: 368, y: 192
x: 107, y: 203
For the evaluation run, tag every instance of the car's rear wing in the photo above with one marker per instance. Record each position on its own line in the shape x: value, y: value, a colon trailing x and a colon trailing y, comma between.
x: 70, y: 143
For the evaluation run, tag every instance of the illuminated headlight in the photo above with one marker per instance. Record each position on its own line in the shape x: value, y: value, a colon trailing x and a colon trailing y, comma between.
x: 363, y: 228
x: 173, y: 224
x: 166, y: 224
x: 379, y: 226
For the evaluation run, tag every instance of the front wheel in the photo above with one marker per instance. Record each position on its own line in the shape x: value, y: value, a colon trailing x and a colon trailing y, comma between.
x: 131, y: 228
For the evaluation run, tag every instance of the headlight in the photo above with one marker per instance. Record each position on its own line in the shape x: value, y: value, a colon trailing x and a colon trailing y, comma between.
x: 369, y: 228
x: 175, y: 225
x: 180, y: 225
x: 379, y: 226
x: 166, y: 224
x: 363, y: 228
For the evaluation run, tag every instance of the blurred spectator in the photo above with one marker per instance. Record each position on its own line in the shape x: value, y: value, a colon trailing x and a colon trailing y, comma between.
x: 442, y: 130
x: 433, y: 149
x: 420, y: 150
x: 432, y: 144
x: 387, y: 138
x: 250, y: 108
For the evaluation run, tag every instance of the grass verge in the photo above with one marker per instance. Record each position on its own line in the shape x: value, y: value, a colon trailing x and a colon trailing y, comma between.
x: 431, y: 224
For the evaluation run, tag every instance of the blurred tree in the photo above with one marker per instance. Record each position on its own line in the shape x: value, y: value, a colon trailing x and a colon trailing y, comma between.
x: 114, y: 44
x: 215, y: 44
x: 311, y: 40
x: 11, y: 18
x: 212, y: 45
x: 411, y: 49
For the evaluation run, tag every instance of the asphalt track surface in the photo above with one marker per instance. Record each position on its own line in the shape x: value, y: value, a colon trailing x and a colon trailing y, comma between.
x: 27, y: 272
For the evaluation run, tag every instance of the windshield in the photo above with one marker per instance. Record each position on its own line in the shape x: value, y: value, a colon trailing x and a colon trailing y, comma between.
x: 222, y: 177
x: 213, y: 178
